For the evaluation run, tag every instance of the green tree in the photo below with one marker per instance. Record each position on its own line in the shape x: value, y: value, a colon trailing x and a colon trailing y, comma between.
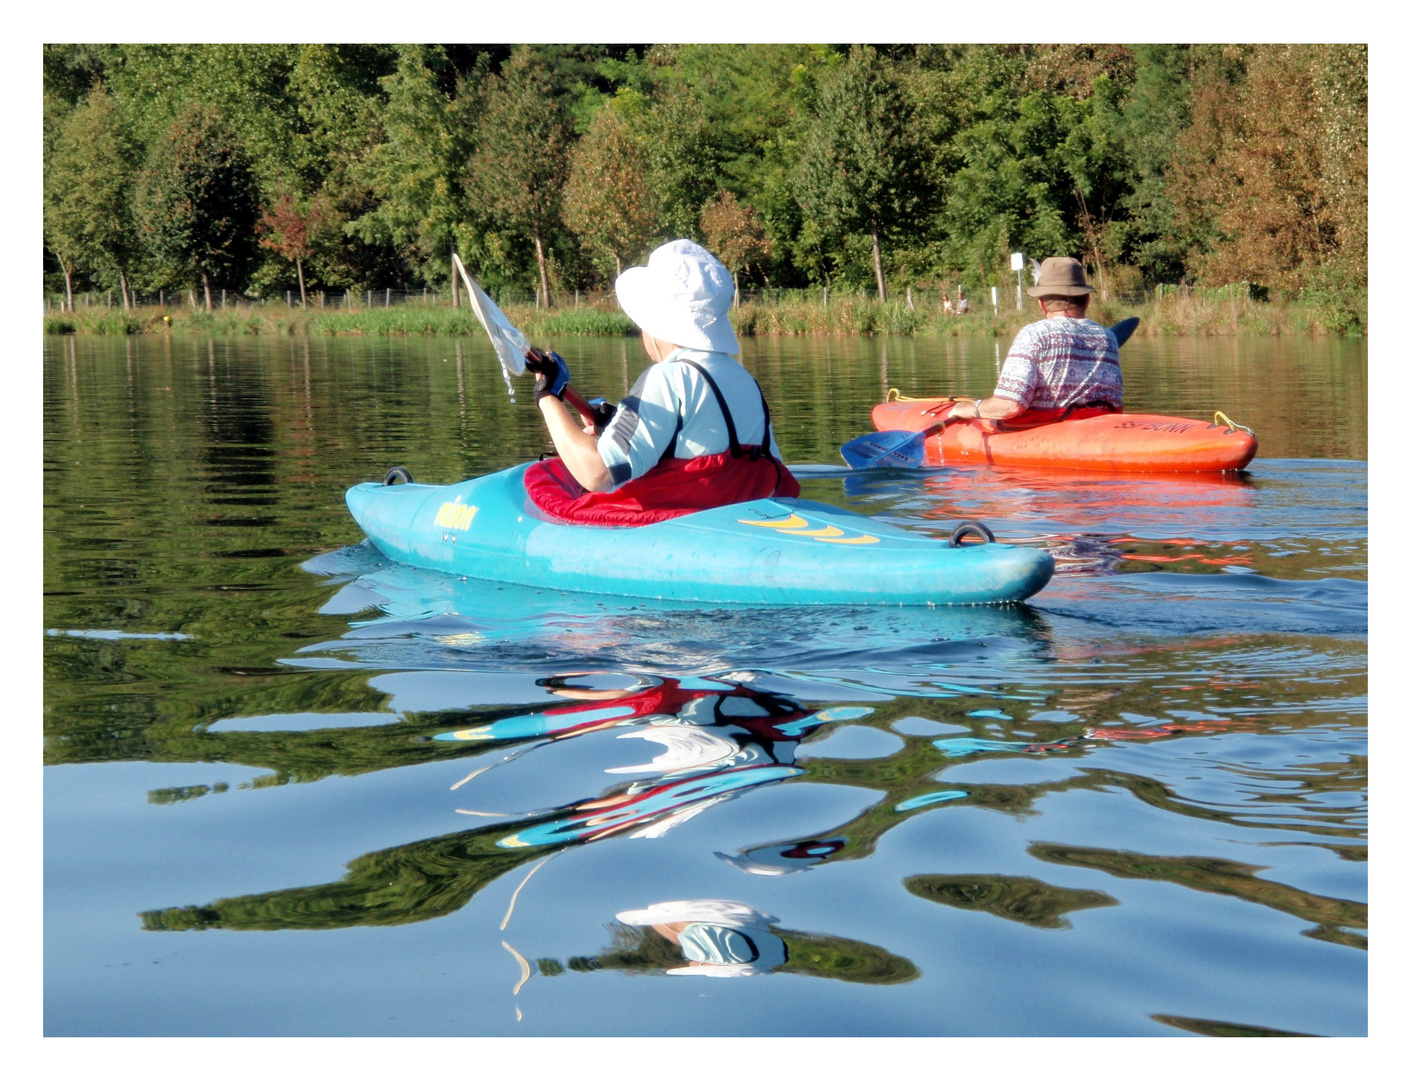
x: 683, y: 156
x: 338, y: 102
x: 746, y: 105
x: 56, y: 238
x: 521, y: 161
x: 1154, y: 114
x: 158, y: 84
x: 1093, y: 156
x: 415, y: 173
x: 87, y: 183
x: 606, y: 201
x: 197, y: 203
x: 1040, y: 175
x: 857, y: 170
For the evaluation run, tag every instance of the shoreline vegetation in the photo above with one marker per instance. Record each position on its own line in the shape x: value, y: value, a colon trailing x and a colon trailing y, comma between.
x: 1183, y: 314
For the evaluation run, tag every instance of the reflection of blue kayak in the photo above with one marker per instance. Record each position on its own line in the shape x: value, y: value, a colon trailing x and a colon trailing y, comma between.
x: 650, y: 806
x: 779, y: 552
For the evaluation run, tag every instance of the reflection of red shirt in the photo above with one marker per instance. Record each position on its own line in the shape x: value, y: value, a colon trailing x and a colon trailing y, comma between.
x: 1163, y: 730
x: 669, y: 698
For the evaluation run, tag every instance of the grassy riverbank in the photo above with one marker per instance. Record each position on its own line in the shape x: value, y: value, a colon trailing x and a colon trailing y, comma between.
x: 1182, y: 315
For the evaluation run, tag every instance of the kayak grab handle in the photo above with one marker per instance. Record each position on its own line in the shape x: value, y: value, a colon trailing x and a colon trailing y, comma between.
x: 1221, y: 418
x: 971, y: 528
x: 395, y: 473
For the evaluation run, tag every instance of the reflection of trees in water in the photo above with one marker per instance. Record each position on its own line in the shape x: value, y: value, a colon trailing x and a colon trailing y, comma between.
x: 430, y: 878
x: 410, y: 883
x: 1258, y: 815
x: 1334, y: 918
x: 641, y: 950
x: 1021, y: 899
x: 1224, y: 1028
x: 911, y: 774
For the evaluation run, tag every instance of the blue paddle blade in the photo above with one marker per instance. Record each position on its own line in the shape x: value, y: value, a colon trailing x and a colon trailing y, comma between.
x: 886, y: 450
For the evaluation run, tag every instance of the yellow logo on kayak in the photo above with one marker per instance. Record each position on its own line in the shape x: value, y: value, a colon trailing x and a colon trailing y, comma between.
x: 794, y: 525
x: 455, y: 515
x: 475, y: 734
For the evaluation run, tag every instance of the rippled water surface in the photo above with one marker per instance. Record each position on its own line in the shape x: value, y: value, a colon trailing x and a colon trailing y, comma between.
x: 294, y: 789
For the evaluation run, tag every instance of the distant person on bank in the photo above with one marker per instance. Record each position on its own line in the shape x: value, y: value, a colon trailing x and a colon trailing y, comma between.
x: 1063, y: 362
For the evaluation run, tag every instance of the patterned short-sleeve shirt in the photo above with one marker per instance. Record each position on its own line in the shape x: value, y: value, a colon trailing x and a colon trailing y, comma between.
x: 1060, y: 362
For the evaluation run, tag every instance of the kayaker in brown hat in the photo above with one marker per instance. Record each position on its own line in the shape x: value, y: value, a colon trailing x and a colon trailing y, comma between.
x: 1064, y: 361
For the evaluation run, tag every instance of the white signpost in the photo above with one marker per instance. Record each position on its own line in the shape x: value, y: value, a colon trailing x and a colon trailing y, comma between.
x: 1016, y: 263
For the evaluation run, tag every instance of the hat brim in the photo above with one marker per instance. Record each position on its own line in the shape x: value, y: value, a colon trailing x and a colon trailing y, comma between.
x: 660, y: 314
x: 1042, y: 291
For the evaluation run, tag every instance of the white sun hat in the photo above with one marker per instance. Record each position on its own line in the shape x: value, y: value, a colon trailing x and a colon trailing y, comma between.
x: 683, y: 295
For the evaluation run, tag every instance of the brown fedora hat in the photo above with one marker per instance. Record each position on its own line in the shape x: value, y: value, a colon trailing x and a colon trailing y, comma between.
x: 1061, y: 277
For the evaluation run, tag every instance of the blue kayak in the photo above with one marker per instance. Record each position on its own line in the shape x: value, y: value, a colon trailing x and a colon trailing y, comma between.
x: 764, y: 552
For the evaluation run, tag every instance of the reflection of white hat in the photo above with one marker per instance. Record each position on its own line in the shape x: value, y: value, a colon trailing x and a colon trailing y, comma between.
x: 683, y: 295
x: 725, y: 938
x: 724, y: 912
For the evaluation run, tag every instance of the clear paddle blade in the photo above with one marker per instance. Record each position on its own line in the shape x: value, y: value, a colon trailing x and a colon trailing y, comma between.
x: 509, y: 341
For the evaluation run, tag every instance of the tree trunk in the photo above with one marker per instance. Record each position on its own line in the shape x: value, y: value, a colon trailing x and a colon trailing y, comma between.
x: 877, y: 265
x: 303, y: 293
x: 126, y: 299
x: 543, y: 269
x: 617, y: 259
x: 1090, y: 228
x: 68, y: 282
x: 206, y: 286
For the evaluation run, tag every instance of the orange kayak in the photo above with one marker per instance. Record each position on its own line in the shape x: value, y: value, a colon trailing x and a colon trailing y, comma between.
x: 1106, y: 442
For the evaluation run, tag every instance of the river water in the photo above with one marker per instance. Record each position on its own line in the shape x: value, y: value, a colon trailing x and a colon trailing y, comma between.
x: 293, y: 789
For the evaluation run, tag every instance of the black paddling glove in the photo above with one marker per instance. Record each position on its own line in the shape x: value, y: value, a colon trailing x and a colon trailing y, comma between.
x: 550, y: 375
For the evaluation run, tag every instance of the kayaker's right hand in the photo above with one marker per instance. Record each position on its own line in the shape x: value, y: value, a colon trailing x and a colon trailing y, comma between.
x: 550, y: 375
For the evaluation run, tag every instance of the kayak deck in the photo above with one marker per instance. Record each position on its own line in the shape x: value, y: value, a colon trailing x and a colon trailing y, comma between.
x: 1114, y: 442
x: 765, y: 552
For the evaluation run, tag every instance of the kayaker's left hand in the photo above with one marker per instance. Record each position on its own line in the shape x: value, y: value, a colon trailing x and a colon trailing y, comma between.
x: 964, y: 409
x: 603, y: 412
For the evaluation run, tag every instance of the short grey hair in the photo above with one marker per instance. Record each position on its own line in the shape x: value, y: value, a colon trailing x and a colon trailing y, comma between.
x: 1078, y: 303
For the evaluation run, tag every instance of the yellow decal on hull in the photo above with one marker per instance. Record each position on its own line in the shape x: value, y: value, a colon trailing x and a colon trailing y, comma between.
x: 793, y: 521
x: 794, y: 525
x: 455, y: 515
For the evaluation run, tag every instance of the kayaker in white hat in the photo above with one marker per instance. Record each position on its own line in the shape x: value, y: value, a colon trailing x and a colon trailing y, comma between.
x: 1064, y: 361
x: 694, y: 431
